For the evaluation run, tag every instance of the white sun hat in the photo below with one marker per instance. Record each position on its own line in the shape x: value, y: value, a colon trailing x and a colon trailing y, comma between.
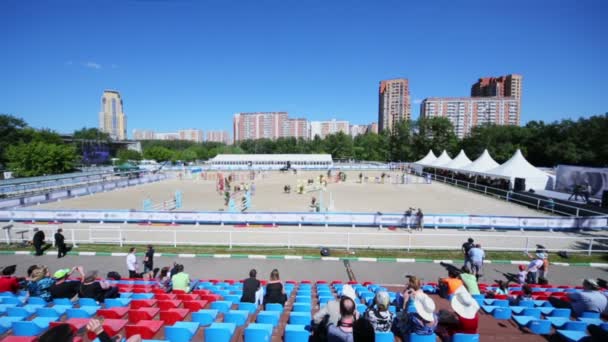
x: 464, y: 304
x: 425, y: 306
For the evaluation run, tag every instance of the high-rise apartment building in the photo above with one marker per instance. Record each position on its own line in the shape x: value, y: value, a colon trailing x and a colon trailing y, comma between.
x: 325, y: 128
x: 166, y: 136
x: 143, y: 134
x: 394, y: 103
x: 192, y: 134
x: 468, y: 112
x: 259, y: 125
x: 296, y: 128
x: 373, y: 128
x: 112, y: 119
x: 218, y: 136
x: 502, y: 86
x: 358, y: 130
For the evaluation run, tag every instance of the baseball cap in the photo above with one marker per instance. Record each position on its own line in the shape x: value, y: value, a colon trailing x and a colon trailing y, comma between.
x: 382, y: 300
x: 62, y: 273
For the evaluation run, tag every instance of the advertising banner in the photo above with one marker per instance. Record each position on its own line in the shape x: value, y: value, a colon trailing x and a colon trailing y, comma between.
x: 6, y: 215
x: 561, y: 223
x: 78, y: 191
x: 92, y: 215
x: 476, y: 221
x: 208, y: 217
x: 66, y: 215
x: 34, y: 199
x: 58, y: 194
x: 9, y: 203
x: 530, y: 222
x: 586, y: 222
x: 504, y: 222
x: 448, y: 221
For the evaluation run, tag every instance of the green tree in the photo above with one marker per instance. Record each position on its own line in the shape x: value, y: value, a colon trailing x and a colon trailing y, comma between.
x: 11, y: 132
x: 436, y: 134
x: 400, y: 142
x: 39, y: 158
x: 125, y: 155
x: 371, y: 146
x: 91, y: 134
x: 339, y: 145
x: 158, y: 153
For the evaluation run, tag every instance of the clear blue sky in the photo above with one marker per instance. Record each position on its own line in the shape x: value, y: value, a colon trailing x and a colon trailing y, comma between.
x: 186, y: 63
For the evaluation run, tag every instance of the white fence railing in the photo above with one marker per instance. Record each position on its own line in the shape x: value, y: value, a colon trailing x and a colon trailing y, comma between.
x: 300, y: 237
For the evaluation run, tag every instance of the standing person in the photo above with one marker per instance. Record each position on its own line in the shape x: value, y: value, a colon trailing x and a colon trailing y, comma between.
x: 466, y: 247
x: 62, y: 248
x: 420, y: 219
x: 132, y: 263
x: 250, y: 286
x: 587, y: 191
x: 533, y: 267
x: 343, y: 331
x: 476, y: 255
x: 149, y: 260
x: 38, y: 241
x: 274, y: 290
x: 332, y: 308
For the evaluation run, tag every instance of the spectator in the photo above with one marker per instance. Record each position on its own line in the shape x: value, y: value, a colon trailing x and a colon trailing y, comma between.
x: 274, y: 290
x: 98, y: 290
x: 469, y: 280
x: 132, y: 263
x: 476, y: 255
x: 501, y: 290
x: 62, y: 248
x: 522, y: 274
x: 525, y: 295
x: 413, y: 286
x: 465, y: 319
x: 149, y: 260
x: 363, y: 331
x: 420, y: 220
x: 181, y: 280
x: 533, y: 267
x: 40, y: 283
x: 164, y: 277
x: 423, y: 321
x: 38, y: 241
x: 343, y: 331
x: 379, y: 316
x: 63, y: 288
x: 466, y: 247
x: 250, y: 286
x: 8, y: 282
x: 590, y: 299
x: 332, y: 308
x: 448, y: 286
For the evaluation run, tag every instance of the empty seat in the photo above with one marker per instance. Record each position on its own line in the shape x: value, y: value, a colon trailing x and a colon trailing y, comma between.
x: 238, y: 317
x: 87, y: 302
x: 171, y: 316
x: 423, y: 338
x: 117, y: 312
x: 268, y: 317
x: 168, y: 304
x: 274, y: 307
x: 62, y: 301
x: 13, y: 338
x: 204, y: 317
x: 297, y: 333
x: 113, y: 302
x: 539, y: 327
x: 531, y: 312
x: 559, y: 312
x: 301, y: 307
x: 299, y: 318
x: 221, y: 306
x: 181, y: 331
x: 384, y: 336
x: 590, y: 314
x: 572, y: 335
x: 501, y: 313
x: 142, y: 296
x: 575, y: 325
x: 146, y: 328
x: 142, y: 314
x: 48, y: 312
x: 195, y: 305
x: 258, y: 332
x: 32, y: 328
x: 251, y: 307
x: 464, y: 338
x: 558, y: 322
x: 142, y: 303
x: 37, y: 301
x: 188, y: 296
x: 220, y: 332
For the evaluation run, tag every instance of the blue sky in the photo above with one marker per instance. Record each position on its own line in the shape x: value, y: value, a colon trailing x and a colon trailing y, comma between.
x: 186, y: 63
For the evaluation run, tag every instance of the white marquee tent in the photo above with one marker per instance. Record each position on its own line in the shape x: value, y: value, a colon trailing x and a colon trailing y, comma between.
x: 484, y: 163
x: 443, y: 159
x: 519, y: 167
x: 458, y: 162
x: 429, y: 158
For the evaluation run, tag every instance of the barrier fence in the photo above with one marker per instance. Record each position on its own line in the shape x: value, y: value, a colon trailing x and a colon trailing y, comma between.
x: 300, y: 237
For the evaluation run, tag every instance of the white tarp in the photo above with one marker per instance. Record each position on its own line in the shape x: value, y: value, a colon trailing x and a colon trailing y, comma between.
x: 519, y: 167
x: 429, y: 158
x: 443, y: 159
x: 484, y: 163
x: 458, y: 162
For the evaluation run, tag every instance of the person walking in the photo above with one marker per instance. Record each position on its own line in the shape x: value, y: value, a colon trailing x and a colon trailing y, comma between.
x: 132, y: 263
x: 38, y: 241
x: 420, y: 220
x: 149, y: 260
x: 476, y: 255
x: 466, y: 247
x: 62, y: 248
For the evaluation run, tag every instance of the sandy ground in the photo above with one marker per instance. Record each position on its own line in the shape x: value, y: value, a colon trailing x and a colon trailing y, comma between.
x: 349, y: 196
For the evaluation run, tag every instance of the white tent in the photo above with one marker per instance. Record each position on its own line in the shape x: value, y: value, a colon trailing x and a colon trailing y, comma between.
x: 441, y: 160
x: 519, y: 167
x: 429, y: 158
x: 484, y: 163
x: 458, y: 162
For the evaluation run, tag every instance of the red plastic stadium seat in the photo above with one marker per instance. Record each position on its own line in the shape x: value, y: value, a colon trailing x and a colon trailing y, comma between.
x: 211, y: 297
x: 352, y: 282
x: 501, y: 297
x: 321, y: 281
x: 334, y: 282
x: 146, y: 328
x: 142, y: 290
x: 195, y: 305
x: 188, y: 296
x: 75, y: 323
x: 178, y: 291
x: 142, y: 303
x: 230, y: 281
x: 291, y: 282
x: 173, y: 315
x: 516, y: 293
x: 214, y: 281
x: 125, y: 288
x: 116, y: 312
x: 541, y: 297
x: 201, y: 292
x: 158, y: 291
x: 111, y: 327
x: 263, y: 282
x: 20, y: 338
x: 168, y: 304
x: 142, y: 314
x: 165, y: 296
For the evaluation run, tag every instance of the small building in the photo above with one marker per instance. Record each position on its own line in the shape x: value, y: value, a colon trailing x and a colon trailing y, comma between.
x: 271, y: 161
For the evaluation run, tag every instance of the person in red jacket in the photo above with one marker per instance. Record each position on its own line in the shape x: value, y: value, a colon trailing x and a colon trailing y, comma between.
x: 8, y: 282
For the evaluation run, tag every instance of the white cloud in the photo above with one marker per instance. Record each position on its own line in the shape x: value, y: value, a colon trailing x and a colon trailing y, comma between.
x: 92, y: 65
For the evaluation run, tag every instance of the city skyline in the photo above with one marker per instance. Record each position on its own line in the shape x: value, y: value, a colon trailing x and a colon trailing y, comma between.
x: 193, y: 71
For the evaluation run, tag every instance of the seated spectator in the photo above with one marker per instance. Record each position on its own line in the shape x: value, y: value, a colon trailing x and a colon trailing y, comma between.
x: 422, y: 322
x: 469, y: 280
x: 501, y: 290
x: 164, y: 278
x: 363, y: 331
x: 181, y: 280
x: 98, y: 290
x: 332, y: 308
x: 274, y: 290
x: 526, y: 295
x: 40, y: 283
x: 8, y: 282
x: 413, y: 286
x: 379, y: 315
x: 589, y: 299
x: 343, y: 331
x: 64, y: 288
x: 464, y: 319
x: 449, y: 285
x: 250, y: 286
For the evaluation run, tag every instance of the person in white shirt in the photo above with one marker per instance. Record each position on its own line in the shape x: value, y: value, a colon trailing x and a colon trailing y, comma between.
x: 132, y: 263
x: 534, y: 267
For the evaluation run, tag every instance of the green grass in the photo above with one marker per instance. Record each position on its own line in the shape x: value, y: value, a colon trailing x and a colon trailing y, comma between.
x: 338, y: 252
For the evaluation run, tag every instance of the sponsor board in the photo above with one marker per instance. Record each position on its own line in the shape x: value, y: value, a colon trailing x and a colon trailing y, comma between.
x: 34, y: 199
x: 504, y: 222
x: 477, y: 221
x: 6, y: 215
x: 79, y: 191
x: 531, y: 222
x: 59, y: 194
x: 9, y: 203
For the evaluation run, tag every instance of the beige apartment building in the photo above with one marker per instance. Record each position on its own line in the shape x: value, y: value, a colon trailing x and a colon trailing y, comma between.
x: 394, y: 103
x: 112, y: 119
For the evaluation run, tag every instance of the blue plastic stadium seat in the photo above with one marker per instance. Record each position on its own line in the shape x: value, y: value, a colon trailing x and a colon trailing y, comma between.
x: 423, y: 338
x: 7, y: 322
x: 361, y: 308
x: 268, y: 317
x: 299, y: 318
x: 258, y: 332
x: 575, y: 325
x: 533, y: 312
x: 126, y: 294
x: 501, y: 302
x: 517, y: 310
x: 604, y: 326
x: 232, y: 298
x: 62, y: 301
x: 204, y: 317
x: 220, y: 332
x: 16, y: 311
x: 590, y: 314
x: 301, y: 307
x: 526, y: 303
x: 114, y: 302
x: 181, y: 331
x: 238, y: 317
x: 87, y: 302
x: 11, y: 300
x: 558, y: 322
x: 596, y: 321
x: 572, y: 335
x: 274, y: 307
x: 465, y: 338
x: 384, y: 336
x: 297, y: 333
x: 303, y: 299
x: 252, y: 308
x: 539, y: 327
x: 221, y: 305
x: 32, y: 328
x: 142, y: 296
x: 82, y: 312
x: 48, y: 312
x: 559, y: 312
x: 489, y: 308
x: 37, y: 301
x: 501, y: 313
